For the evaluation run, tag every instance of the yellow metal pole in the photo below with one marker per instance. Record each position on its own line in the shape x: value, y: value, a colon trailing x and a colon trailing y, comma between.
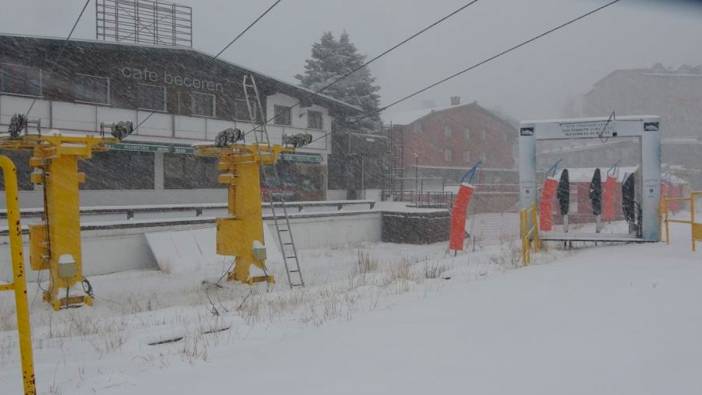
x: 667, y: 224
x: 535, y: 225
x: 55, y: 243
x: 692, y: 220
x: 522, y: 235
x: 63, y: 208
x: 19, y: 278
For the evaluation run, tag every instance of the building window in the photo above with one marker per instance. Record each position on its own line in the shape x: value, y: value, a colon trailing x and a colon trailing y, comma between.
x: 202, y: 104
x: 151, y: 97
x: 447, y: 155
x: 484, y: 135
x: 467, y: 133
x: 91, y: 89
x: 314, y: 120
x: 182, y: 171
x: 466, y: 156
x: 447, y: 131
x: 282, y: 115
x: 418, y: 127
x: 241, y: 110
x: 20, y: 80
x: 483, y: 158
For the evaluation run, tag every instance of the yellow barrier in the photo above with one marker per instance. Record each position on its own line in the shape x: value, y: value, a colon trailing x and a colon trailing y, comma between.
x: 695, y: 228
x: 529, y: 232
x: 19, y: 281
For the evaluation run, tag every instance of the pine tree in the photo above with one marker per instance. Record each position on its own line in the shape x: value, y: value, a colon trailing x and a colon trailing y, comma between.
x: 332, y: 59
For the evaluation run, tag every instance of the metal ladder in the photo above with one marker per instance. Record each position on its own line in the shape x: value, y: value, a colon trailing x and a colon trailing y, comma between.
x: 282, y: 225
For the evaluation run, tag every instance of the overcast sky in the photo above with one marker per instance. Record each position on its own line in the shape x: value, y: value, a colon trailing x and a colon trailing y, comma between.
x: 533, y: 82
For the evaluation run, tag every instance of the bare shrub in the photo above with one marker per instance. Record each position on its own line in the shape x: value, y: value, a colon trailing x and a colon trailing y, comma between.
x: 400, y: 270
x: 108, y: 342
x: 82, y: 324
x: 433, y: 270
x: 195, y: 348
x: 509, y: 255
x: 251, y: 308
x: 365, y: 262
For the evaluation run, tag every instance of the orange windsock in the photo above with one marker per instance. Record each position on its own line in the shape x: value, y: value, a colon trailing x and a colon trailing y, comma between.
x: 608, y: 203
x: 546, y: 204
x: 458, y: 216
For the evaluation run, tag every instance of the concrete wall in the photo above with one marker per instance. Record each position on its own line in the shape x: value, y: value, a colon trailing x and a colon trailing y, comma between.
x: 116, y: 250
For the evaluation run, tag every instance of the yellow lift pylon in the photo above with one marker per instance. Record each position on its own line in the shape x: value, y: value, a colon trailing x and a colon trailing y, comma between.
x: 19, y: 278
x: 55, y: 244
x: 240, y: 234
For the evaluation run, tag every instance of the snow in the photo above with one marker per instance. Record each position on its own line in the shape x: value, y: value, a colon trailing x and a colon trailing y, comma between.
x: 181, y: 251
x: 606, y: 320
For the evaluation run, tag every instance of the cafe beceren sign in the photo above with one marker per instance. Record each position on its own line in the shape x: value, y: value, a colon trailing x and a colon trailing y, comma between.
x: 146, y: 75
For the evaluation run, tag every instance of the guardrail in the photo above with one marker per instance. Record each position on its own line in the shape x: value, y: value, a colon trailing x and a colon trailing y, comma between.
x: 695, y: 228
x: 202, y: 220
x: 197, y: 209
x: 529, y: 232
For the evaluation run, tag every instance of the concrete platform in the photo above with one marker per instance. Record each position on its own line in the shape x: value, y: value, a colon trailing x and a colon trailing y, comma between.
x: 591, y: 236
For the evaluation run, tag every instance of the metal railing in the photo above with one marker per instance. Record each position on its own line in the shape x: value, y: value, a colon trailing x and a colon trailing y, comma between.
x: 194, y: 209
x: 529, y: 232
x: 695, y: 227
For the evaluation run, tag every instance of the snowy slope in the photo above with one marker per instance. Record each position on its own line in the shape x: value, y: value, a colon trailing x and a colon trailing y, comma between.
x: 610, y: 320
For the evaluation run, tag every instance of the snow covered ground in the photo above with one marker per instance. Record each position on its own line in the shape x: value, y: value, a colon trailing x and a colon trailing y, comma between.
x: 382, y: 319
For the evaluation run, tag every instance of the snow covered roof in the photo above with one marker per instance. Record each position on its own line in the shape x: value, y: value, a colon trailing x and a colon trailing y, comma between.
x: 407, y: 117
x: 584, y: 174
x: 672, y: 178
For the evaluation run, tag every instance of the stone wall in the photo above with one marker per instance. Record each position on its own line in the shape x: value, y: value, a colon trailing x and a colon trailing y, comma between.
x: 415, y: 227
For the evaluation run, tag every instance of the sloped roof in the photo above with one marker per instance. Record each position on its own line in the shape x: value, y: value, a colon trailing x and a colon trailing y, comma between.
x: 408, y: 117
x: 330, y: 99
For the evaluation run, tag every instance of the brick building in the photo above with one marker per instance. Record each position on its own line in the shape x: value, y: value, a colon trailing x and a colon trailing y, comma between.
x: 432, y: 148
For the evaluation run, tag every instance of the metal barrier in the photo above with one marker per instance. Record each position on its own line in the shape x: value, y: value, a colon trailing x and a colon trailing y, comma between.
x: 191, y: 209
x: 529, y: 232
x: 695, y: 227
x: 19, y: 281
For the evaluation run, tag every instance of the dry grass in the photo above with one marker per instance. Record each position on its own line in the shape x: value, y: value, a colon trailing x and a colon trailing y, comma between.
x: 365, y: 263
x: 434, y: 270
x: 509, y: 255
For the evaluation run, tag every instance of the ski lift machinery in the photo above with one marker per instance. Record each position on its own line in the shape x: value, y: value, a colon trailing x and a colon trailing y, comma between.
x: 646, y: 128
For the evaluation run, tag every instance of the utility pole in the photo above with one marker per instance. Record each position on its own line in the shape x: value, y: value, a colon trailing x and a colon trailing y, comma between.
x: 416, y: 179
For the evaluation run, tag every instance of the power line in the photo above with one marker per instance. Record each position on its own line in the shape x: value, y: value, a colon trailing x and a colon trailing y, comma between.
x: 498, y: 55
x: 235, y: 39
x: 482, y: 62
x: 63, y: 47
x: 255, y: 21
x: 387, y: 51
